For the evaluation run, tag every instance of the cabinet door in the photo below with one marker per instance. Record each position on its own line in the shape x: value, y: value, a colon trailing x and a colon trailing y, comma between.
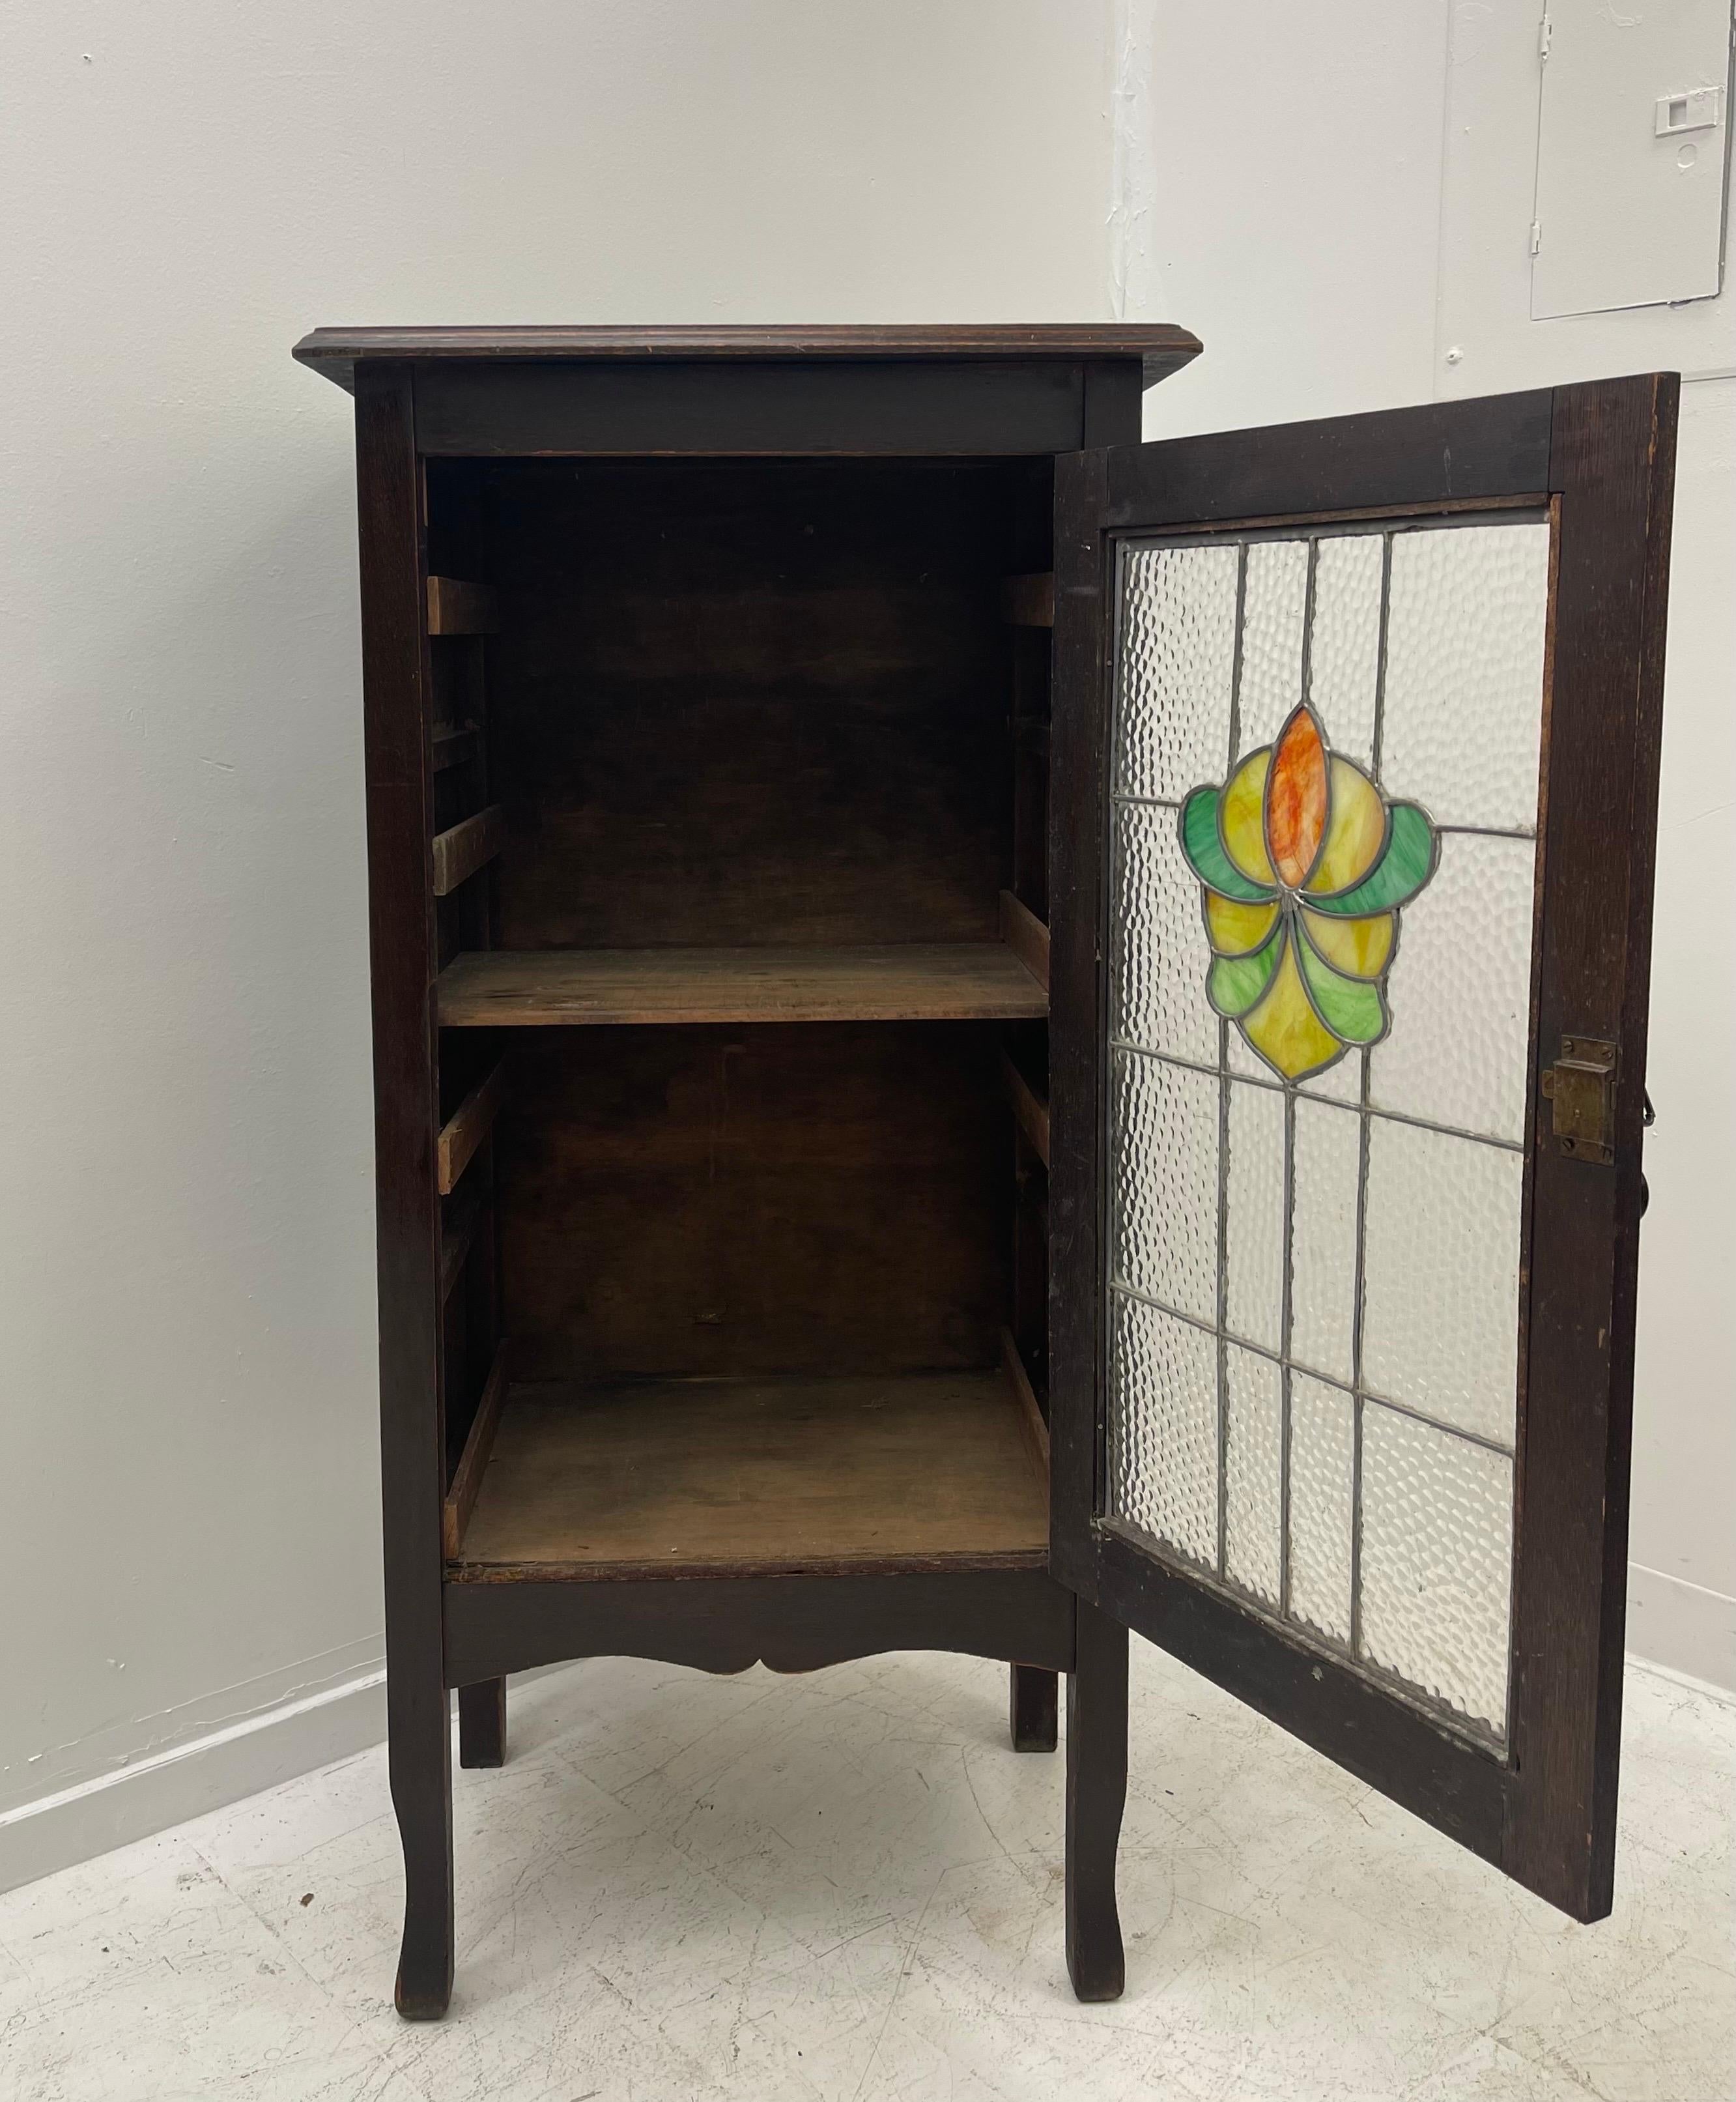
x: 1355, y: 753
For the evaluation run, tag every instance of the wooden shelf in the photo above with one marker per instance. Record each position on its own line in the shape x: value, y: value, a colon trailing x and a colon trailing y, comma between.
x: 961, y: 981
x: 690, y: 1478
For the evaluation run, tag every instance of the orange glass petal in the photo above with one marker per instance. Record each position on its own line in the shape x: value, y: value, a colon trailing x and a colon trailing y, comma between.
x: 1296, y: 798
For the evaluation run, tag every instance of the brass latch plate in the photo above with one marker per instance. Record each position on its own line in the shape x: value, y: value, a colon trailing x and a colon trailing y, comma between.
x: 1581, y: 1087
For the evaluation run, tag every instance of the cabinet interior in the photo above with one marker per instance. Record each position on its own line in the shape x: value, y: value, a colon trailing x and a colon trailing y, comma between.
x: 740, y: 790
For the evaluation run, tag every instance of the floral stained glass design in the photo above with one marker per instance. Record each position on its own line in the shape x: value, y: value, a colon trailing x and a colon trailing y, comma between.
x: 1303, y: 866
x: 1315, y: 1144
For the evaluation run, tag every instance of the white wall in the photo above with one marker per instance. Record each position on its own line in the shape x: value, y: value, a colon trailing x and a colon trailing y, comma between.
x: 1338, y: 200
x: 186, y: 1294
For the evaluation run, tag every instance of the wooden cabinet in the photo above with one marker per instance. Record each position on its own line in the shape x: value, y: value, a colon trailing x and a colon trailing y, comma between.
x: 985, y: 1035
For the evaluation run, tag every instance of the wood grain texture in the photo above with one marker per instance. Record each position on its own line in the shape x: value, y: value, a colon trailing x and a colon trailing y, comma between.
x: 744, y: 704
x: 467, y: 1127
x: 1612, y: 465
x: 465, y: 847
x: 1159, y: 347
x: 567, y: 988
x: 1026, y: 936
x: 455, y: 747
x: 1029, y: 600
x: 1440, y: 453
x: 1031, y: 1113
x: 741, y: 410
x: 396, y: 690
x: 793, y: 1474
x: 1030, y: 1414
x: 459, y: 1222
x: 457, y: 607
x: 1458, y: 1787
x: 468, y: 1477
x: 733, y: 1201
x: 1076, y: 1019
x: 728, y: 1624
x: 1096, y: 1792
x: 482, y: 1723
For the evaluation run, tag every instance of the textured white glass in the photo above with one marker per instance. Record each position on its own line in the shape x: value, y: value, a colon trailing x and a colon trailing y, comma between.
x: 1342, y: 1082
x: 1438, y: 1550
x: 1253, y: 1475
x: 1344, y: 643
x: 1276, y: 604
x: 1464, y: 672
x: 1163, y: 1427
x: 1176, y: 662
x: 1322, y: 1258
x: 1159, y: 953
x: 1197, y: 1170
x: 1322, y: 1462
x: 1253, y: 1235
x: 1460, y: 992
x: 1441, y: 1270
x: 1163, y: 1182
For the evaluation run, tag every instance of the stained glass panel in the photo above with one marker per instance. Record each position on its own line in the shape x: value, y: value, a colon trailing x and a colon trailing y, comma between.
x: 1177, y: 657
x: 1322, y: 1482
x: 1323, y: 770
x: 1462, y: 714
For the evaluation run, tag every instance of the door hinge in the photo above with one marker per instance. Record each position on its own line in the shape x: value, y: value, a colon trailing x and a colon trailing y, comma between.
x: 1545, y: 29
x: 1580, y: 1086
x: 1537, y: 235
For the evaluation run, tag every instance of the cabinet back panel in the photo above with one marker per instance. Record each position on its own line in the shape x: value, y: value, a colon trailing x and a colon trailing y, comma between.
x: 751, y: 702
x: 829, y: 1198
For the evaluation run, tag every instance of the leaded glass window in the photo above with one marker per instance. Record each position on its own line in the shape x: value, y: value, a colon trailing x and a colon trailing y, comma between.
x: 1324, y: 785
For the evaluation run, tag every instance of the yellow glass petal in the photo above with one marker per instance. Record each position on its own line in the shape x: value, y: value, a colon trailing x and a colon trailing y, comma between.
x: 1355, y: 832
x: 1237, y: 930
x: 1359, y: 948
x: 1242, y: 816
x: 1285, y: 1030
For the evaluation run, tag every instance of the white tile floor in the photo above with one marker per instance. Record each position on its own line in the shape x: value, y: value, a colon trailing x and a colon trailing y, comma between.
x: 848, y: 1886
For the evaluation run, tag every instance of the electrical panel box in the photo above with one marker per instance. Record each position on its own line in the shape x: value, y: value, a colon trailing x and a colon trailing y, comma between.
x: 1633, y: 154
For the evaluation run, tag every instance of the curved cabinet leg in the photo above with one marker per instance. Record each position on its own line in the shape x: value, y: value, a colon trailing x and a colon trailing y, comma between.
x: 482, y: 1723
x: 1031, y: 1705
x: 1096, y: 1789
x: 421, y: 1760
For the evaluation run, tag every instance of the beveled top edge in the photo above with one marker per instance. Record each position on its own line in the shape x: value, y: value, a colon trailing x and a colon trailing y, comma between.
x: 1159, y: 347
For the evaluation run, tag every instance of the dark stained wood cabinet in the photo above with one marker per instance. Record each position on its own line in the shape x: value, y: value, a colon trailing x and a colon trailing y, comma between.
x: 780, y: 1258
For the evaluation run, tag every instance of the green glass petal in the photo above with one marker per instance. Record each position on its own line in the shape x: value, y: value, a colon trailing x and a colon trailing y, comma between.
x: 1234, y: 983
x: 1350, y: 1007
x: 1405, y: 866
x: 1205, y: 850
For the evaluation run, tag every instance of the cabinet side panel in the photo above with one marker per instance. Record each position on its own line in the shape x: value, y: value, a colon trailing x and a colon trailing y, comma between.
x: 396, y: 684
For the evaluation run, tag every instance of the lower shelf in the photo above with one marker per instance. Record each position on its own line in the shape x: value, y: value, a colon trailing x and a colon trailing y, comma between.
x: 757, y: 1477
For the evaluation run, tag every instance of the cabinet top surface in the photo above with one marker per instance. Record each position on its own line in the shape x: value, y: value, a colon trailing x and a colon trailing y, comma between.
x: 1159, y: 347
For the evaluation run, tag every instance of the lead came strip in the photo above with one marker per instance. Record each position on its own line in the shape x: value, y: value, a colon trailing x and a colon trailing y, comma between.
x: 1397, y: 1289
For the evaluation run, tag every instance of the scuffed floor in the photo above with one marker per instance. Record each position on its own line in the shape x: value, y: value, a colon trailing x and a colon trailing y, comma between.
x: 848, y: 1886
